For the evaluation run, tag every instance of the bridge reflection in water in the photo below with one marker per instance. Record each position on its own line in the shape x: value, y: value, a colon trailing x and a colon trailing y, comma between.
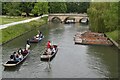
x: 71, y: 61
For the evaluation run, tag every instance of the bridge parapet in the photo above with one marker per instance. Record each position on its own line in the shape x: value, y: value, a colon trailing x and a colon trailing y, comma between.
x: 68, y: 14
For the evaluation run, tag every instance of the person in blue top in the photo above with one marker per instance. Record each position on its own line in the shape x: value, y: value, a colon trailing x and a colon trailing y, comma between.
x: 17, y: 59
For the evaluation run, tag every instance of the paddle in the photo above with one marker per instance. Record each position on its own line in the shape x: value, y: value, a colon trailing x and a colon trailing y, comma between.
x: 49, y: 62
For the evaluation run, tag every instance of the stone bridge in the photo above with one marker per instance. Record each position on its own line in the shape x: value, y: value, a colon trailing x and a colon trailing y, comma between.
x: 63, y: 17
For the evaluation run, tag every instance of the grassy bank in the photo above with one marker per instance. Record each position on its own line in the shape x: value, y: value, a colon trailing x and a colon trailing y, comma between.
x: 16, y: 30
x: 10, y: 19
x: 113, y: 35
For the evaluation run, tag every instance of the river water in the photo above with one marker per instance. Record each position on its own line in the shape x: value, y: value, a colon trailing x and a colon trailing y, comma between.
x: 71, y: 61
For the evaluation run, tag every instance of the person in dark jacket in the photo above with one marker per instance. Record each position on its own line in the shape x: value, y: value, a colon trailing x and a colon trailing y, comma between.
x: 13, y: 57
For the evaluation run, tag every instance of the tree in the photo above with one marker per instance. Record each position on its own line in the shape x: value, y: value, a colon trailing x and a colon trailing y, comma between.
x: 40, y: 8
x: 4, y: 8
x: 11, y: 8
x: 27, y: 7
x: 82, y: 7
x: 103, y: 16
x: 77, y: 7
x: 111, y: 17
x: 57, y: 7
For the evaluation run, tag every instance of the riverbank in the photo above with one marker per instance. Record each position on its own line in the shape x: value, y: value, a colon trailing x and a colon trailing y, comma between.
x: 21, y: 22
x: 19, y: 29
x: 114, y: 37
x: 11, y: 19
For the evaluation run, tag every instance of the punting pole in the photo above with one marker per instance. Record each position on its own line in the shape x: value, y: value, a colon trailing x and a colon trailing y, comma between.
x: 49, y: 63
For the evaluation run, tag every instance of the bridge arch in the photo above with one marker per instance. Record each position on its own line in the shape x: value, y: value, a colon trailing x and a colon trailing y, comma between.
x: 56, y: 19
x: 69, y: 19
x: 87, y: 20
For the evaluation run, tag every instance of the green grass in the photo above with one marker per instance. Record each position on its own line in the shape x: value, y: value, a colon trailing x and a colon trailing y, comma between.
x: 16, y: 30
x: 10, y: 19
x: 113, y: 35
x: 0, y: 36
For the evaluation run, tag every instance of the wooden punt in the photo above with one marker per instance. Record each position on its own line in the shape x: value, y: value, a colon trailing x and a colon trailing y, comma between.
x: 14, y: 63
x: 109, y: 43
x: 45, y: 57
x: 36, y: 40
x: 92, y: 38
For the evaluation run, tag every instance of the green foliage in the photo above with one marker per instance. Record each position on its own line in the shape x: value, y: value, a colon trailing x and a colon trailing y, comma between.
x: 113, y: 35
x: 103, y: 16
x: 77, y: 7
x: 26, y: 7
x: 11, y: 9
x: 17, y: 8
x: 37, y: 8
x: 111, y: 17
x: 40, y: 7
x: 57, y: 7
x: 69, y: 7
x: 4, y: 9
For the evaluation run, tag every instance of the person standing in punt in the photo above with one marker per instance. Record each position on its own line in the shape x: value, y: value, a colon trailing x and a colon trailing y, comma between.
x: 49, y: 51
x: 28, y: 44
x: 40, y: 35
x: 49, y: 44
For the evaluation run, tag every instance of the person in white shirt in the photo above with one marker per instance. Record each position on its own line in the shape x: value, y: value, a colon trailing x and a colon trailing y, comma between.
x: 20, y: 56
x: 49, y: 51
x: 53, y: 49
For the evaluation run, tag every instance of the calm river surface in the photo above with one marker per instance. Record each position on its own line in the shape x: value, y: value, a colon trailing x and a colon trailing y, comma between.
x: 71, y: 61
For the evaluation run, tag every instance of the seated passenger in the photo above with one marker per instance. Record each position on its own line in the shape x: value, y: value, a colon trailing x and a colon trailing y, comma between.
x: 34, y: 38
x: 48, y: 51
x: 37, y: 36
x: 20, y: 50
x: 17, y: 59
x: 25, y: 51
x: 12, y: 57
x: 20, y: 56
x: 53, y: 49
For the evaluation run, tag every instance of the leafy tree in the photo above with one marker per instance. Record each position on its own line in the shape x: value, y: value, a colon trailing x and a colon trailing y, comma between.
x: 57, y: 7
x: 11, y: 8
x: 4, y: 10
x: 103, y: 16
x: 40, y: 8
x: 27, y: 7
x: 82, y: 7
x: 71, y: 7
x: 111, y: 17
x: 77, y: 7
